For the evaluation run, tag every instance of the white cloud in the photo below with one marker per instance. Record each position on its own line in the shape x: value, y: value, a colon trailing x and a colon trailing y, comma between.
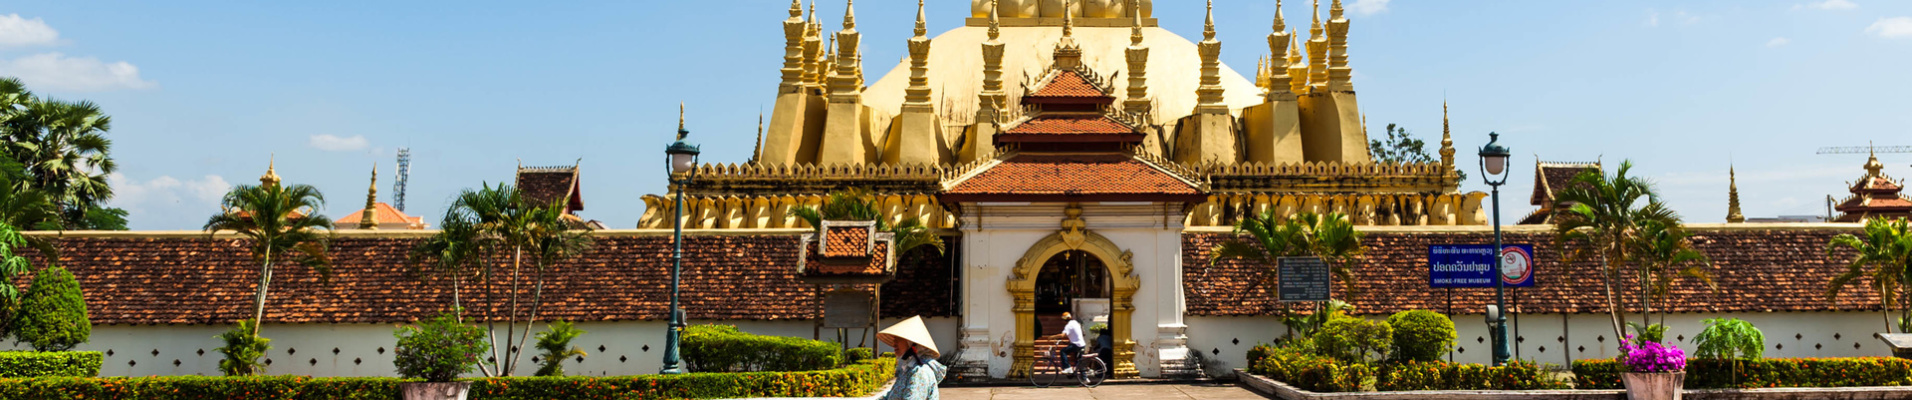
x: 1895, y: 27
x: 1652, y: 18
x: 1778, y: 41
x: 16, y: 31
x: 169, y: 199
x: 1368, y: 7
x: 1828, y: 5
x: 329, y: 142
x: 56, y: 71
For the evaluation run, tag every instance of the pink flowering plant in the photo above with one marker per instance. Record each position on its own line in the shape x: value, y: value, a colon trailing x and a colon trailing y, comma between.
x: 1650, y: 356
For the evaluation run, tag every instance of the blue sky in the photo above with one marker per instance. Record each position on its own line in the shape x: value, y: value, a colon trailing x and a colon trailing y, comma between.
x: 202, y: 93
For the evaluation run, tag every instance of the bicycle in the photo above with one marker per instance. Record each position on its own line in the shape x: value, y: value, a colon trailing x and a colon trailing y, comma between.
x: 1090, y: 369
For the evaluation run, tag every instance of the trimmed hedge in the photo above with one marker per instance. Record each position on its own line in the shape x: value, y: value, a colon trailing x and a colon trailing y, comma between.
x: 1322, y: 374
x: 722, y: 348
x: 1770, y: 372
x: 861, y: 379
x: 33, y: 364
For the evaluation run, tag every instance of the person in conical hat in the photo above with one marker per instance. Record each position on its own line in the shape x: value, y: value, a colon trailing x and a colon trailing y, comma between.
x: 917, y: 371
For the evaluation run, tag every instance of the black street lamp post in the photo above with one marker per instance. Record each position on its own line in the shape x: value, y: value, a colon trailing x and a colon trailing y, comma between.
x: 682, y: 162
x: 1493, y: 159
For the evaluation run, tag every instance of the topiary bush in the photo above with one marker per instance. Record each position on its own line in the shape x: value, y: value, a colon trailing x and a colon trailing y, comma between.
x: 52, y: 313
x: 242, y: 350
x: 857, y: 354
x: 556, y: 345
x: 33, y: 364
x: 722, y: 348
x: 438, y: 349
x: 1421, y: 335
x: 1354, y: 340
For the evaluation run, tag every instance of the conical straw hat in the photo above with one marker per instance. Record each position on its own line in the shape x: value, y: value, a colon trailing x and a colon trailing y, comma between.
x: 910, y: 331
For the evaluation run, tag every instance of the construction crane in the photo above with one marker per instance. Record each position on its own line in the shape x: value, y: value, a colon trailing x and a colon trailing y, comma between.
x: 404, y: 174
x: 1864, y: 149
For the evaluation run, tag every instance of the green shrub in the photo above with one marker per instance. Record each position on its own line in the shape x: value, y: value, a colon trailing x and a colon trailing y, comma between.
x: 1771, y: 372
x: 1354, y: 340
x: 30, y: 364
x: 438, y: 349
x: 556, y: 345
x: 52, y: 313
x: 1421, y: 335
x: 1725, y: 338
x: 857, y: 355
x: 722, y: 348
x: 242, y: 350
x: 199, y: 387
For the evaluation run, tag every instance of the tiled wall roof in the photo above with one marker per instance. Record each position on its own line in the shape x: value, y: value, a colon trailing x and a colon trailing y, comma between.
x: 1073, y: 175
x: 210, y: 281
x: 1756, y: 270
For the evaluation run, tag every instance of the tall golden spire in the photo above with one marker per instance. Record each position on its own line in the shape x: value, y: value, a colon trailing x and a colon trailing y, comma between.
x: 849, y: 72
x: 681, y: 132
x: 1317, y: 51
x: 271, y: 178
x: 813, y: 50
x: 1209, y: 94
x: 1447, y: 141
x: 918, y: 93
x: 1732, y: 197
x: 793, y: 33
x: 992, y: 97
x: 369, y: 218
x: 1138, y: 60
x: 921, y: 28
x: 1338, y: 71
x: 1297, y: 66
x: 1068, y: 54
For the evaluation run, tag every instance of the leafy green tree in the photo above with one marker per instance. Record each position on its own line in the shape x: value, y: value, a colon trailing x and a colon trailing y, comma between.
x: 53, y: 312
x: 1401, y: 147
x: 857, y: 204
x: 242, y: 350
x: 64, y: 148
x: 1608, y: 215
x: 1421, y: 335
x: 1882, y: 254
x: 438, y: 349
x: 556, y: 345
x: 280, y: 221
x: 502, y: 219
x: 1730, y: 339
x: 1354, y: 339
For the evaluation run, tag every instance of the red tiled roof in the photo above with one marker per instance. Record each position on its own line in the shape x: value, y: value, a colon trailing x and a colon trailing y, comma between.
x: 1072, y: 176
x: 1551, y: 178
x: 1071, y: 124
x: 848, y: 241
x: 1757, y: 271
x: 543, y: 185
x: 875, y: 264
x: 387, y: 214
x: 197, y: 280
x: 1067, y: 84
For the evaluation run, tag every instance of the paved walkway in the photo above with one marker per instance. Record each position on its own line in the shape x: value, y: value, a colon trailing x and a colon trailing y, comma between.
x: 1182, y: 391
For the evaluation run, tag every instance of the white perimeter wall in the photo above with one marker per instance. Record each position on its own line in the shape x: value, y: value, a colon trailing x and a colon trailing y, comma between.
x: 307, y: 349
x: 1558, y: 339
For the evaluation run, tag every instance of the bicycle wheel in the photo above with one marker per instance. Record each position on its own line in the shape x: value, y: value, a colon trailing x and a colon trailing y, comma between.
x: 1054, y: 373
x: 1036, y: 375
x: 1092, y: 370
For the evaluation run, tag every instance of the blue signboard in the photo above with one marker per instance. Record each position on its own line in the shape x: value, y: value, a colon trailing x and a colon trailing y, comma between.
x: 1471, y: 265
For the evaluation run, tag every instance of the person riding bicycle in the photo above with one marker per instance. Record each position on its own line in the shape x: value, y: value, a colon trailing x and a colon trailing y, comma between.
x: 1072, y: 331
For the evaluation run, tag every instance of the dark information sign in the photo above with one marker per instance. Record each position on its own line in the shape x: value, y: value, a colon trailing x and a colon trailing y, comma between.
x: 1303, y: 279
x: 1472, y: 265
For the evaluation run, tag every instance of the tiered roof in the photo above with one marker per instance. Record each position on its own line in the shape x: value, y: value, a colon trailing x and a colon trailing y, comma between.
x: 1549, y: 179
x: 548, y: 184
x: 1874, y: 195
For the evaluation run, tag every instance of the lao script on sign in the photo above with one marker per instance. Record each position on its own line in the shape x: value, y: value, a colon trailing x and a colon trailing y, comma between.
x: 1303, y: 279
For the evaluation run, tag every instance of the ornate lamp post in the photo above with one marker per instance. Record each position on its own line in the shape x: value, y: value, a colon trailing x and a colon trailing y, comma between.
x: 682, y: 162
x: 1493, y: 160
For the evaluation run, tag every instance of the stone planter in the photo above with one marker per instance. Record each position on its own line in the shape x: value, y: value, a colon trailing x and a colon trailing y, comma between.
x: 1654, y: 385
x: 435, y: 390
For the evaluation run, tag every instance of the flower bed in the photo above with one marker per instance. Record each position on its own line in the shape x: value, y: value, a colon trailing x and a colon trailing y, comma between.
x: 855, y: 380
x: 1761, y: 373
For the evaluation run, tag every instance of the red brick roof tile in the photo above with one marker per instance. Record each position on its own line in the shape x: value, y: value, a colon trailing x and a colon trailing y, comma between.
x: 1071, y: 124
x: 543, y: 185
x: 1757, y: 271
x: 848, y: 241
x: 1072, y: 176
x: 1067, y: 84
x: 1552, y: 177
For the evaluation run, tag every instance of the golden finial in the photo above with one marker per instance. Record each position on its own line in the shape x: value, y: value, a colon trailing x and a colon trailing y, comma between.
x: 1280, y: 23
x: 1732, y: 197
x: 681, y: 132
x: 1315, y: 30
x: 1447, y: 138
x: 813, y: 10
x: 369, y: 218
x: 271, y: 178
x: 796, y: 9
x: 1208, y: 25
x: 1135, y: 28
x: 921, y: 28
x: 1334, y: 12
x: 1068, y: 20
x: 995, y: 22
x: 1873, y: 166
x: 849, y: 14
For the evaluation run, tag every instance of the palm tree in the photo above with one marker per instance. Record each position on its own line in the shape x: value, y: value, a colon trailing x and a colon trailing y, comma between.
x: 454, y: 252
x: 278, y: 219
x: 1882, y: 254
x: 553, y: 237
x: 64, y: 148
x: 856, y: 204
x: 1665, y: 253
x: 499, y: 218
x: 1607, y: 215
x: 1331, y: 237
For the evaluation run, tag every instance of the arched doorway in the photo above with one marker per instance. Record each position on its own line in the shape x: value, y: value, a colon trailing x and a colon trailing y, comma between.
x: 1075, y: 282
x: 1091, y: 250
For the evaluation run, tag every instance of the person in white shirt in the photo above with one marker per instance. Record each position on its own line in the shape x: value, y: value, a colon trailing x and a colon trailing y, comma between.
x: 1072, y: 331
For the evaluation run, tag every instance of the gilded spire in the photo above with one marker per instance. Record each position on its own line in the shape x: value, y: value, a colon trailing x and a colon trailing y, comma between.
x: 1138, y: 60
x: 921, y: 28
x: 1281, y: 23
x: 992, y: 99
x: 1208, y: 25
x: 759, y: 150
x: 369, y: 218
x: 1280, y: 44
x: 271, y: 178
x: 849, y: 14
x: 1873, y: 166
x: 1068, y: 20
x: 794, y: 30
x: 1068, y: 54
x: 681, y: 132
x: 1209, y: 94
x: 918, y: 93
x: 1334, y: 11
x: 995, y: 21
x: 1297, y: 67
x: 1447, y: 140
x: 1338, y: 72
x: 1135, y: 26
x: 1732, y: 197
